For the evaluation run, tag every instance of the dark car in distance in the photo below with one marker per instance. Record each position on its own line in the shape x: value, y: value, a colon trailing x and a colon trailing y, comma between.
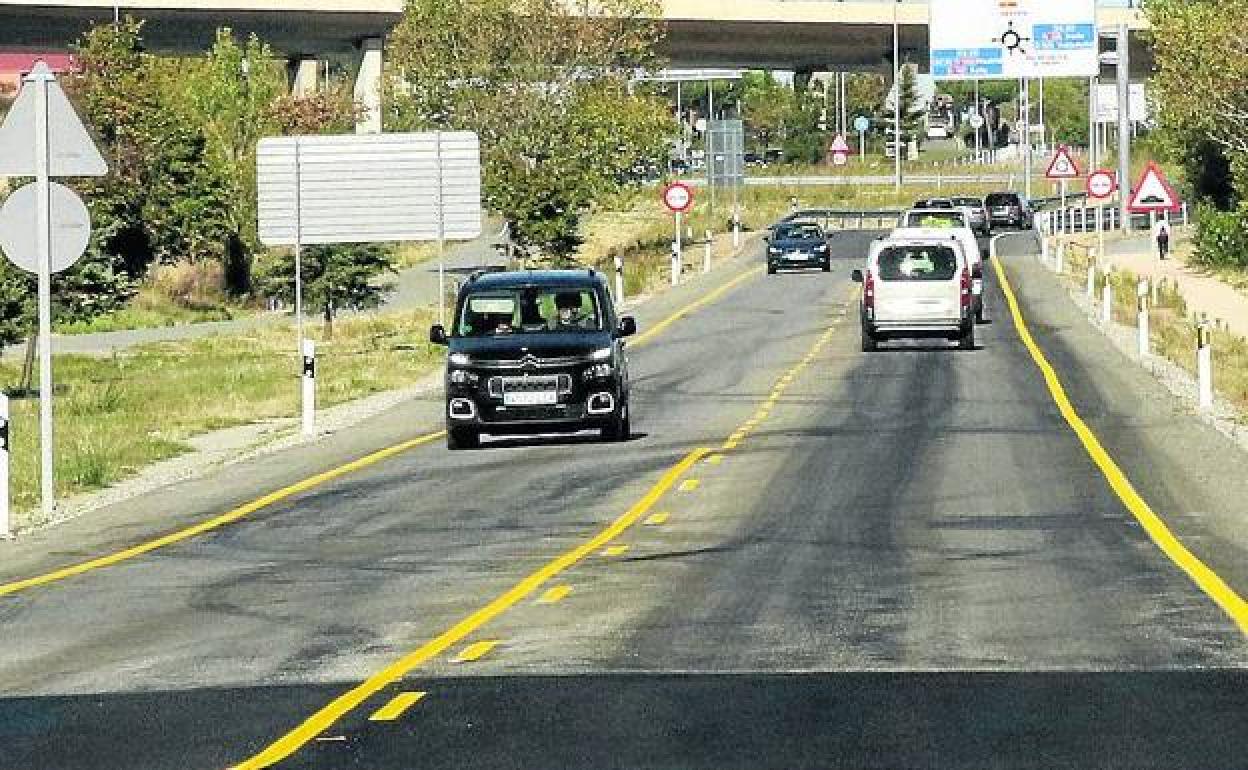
x: 1009, y: 209
x: 797, y: 244
x: 533, y: 352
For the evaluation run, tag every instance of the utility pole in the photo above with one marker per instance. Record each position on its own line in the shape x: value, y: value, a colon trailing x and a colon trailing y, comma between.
x: 1124, y: 126
x: 897, y: 101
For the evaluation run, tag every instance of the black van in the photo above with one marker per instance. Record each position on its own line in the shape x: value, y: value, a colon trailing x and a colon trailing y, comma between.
x: 535, y: 352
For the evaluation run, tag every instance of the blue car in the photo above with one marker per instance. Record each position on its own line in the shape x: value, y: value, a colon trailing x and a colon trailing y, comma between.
x: 792, y: 245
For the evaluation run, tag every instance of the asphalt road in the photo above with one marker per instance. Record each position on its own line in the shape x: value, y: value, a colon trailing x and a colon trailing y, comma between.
x: 903, y: 559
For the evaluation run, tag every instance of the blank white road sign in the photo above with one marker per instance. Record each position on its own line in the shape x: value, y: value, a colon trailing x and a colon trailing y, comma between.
x: 19, y: 234
x: 369, y: 188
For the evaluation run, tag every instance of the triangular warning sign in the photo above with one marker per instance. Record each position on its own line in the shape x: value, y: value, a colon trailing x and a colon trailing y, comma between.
x: 1153, y: 193
x: 1063, y: 166
x: 70, y: 149
x: 840, y: 145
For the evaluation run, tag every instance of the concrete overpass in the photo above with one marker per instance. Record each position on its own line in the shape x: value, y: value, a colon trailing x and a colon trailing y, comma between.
x: 822, y: 35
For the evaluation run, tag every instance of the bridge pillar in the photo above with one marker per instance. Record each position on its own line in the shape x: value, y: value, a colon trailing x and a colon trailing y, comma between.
x: 368, y: 86
x: 305, y: 76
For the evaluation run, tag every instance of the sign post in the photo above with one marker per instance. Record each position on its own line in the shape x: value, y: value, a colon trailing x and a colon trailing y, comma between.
x: 1062, y: 168
x: 1101, y: 185
x: 43, y: 137
x: 5, y: 528
x: 678, y: 197
x: 308, y: 350
x: 861, y: 124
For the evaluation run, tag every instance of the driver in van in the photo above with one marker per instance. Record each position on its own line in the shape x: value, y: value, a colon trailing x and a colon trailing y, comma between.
x: 569, y: 306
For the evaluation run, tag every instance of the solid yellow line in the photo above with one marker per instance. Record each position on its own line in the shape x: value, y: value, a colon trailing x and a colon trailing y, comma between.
x: 218, y: 521
x: 1200, y: 573
x: 325, y: 717
x: 556, y: 594
x: 475, y: 651
x: 397, y: 705
x: 657, y: 519
x: 658, y: 328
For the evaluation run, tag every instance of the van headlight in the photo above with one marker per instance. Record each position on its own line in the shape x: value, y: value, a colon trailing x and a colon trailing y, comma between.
x: 464, y: 377
x: 773, y: 250
x: 602, y: 354
x: 821, y: 248
x: 459, y: 359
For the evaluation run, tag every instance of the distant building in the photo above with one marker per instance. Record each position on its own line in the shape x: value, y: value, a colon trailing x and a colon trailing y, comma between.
x: 14, y: 65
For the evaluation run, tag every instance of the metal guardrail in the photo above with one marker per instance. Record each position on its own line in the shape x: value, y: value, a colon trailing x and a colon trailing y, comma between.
x: 848, y: 219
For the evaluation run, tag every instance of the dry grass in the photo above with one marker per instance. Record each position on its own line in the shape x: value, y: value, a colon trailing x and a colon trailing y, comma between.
x: 117, y: 415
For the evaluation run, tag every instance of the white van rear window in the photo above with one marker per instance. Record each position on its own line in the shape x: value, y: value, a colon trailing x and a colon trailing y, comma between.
x: 917, y: 263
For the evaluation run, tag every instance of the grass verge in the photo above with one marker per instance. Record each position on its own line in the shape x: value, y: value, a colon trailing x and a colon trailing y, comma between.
x: 116, y: 415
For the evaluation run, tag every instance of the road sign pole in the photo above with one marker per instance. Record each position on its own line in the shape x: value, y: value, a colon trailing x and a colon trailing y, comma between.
x: 298, y: 251
x: 441, y: 214
x: 896, y: 102
x: 44, y: 224
x: 1124, y: 123
x: 1025, y: 109
x: 979, y: 156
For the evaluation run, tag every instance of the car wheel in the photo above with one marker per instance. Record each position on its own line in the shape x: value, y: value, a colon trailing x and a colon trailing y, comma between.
x: 462, y: 438
x: 967, y: 340
x: 869, y: 342
x: 771, y: 270
x: 827, y: 266
x: 979, y: 310
x: 620, y: 428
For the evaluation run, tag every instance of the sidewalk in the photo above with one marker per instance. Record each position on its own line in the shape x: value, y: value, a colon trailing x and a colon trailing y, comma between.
x: 1203, y: 293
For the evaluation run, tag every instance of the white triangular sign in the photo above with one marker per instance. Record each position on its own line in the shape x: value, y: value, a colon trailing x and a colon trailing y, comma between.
x: 1063, y: 166
x: 839, y: 144
x: 70, y: 148
x: 1153, y: 193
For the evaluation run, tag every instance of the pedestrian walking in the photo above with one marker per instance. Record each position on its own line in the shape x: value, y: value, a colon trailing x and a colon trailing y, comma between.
x: 1161, y: 234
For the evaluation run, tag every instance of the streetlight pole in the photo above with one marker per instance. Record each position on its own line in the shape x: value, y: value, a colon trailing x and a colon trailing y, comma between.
x: 1124, y: 125
x: 897, y: 100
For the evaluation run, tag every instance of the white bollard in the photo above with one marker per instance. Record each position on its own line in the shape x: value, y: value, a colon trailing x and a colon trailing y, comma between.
x: 1141, y: 293
x: 1185, y: 221
x: 1059, y: 265
x: 309, y: 387
x: 1044, y: 250
x: 1092, y: 281
x: 706, y: 256
x: 736, y: 233
x: 676, y: 263
x: 5, y: 530
x: 1107, y: 301
x: 1204, y: 365
x: 619, y: 279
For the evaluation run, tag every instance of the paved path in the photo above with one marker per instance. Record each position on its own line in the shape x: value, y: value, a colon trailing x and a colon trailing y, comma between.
x: 1203, y: 292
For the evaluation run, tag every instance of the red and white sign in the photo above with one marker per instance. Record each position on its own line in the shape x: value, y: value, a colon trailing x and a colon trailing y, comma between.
x: 678, y: 197
x: 1063, y: 166
x: 839, y: 159
x: 1101, y: 184
x: 1154, y: 193
x: 840, y: 146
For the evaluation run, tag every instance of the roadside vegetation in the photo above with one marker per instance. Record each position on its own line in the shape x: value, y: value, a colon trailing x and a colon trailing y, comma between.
x: 116, y: 415
x: 1172, y: 330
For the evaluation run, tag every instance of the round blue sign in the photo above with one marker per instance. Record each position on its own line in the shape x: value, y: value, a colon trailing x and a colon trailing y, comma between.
x: 861, y: 124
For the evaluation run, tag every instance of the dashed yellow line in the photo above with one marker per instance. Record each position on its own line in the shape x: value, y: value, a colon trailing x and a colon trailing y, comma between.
x: 555, y: 595
x: 1201, y: 574
x: 475, y: 651
x: 690, y: 485
x: 715, y: 459
x: 397, y: 706
x: 615, y: 550
x: 658, y: 519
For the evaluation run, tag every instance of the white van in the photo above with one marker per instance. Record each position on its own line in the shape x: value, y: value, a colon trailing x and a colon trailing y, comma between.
x: 924, y: 223
x: 917, y: 287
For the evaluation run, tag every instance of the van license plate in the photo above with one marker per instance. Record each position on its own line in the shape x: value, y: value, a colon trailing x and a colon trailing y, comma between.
x: 531, y: 398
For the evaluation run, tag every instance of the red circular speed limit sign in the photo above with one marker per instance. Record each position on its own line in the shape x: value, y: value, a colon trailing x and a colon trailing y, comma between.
x: 678, y: 197
x: 1101, y: 184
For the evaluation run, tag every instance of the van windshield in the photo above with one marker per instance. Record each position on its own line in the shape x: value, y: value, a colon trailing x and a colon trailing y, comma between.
x: 528, y: 310
x: 917, y: 263
x: 935, y: 219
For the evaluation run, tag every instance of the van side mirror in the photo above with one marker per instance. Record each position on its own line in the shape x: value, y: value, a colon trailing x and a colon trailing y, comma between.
x: 857, y: 276
x: 627, y: 328
x: 437, y: 334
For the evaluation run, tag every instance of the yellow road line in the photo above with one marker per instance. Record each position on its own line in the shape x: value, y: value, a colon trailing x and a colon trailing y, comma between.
x: 218, y: 521
x: 659, y: 328
x: 556, y: 594
x: 350, y: 700
x: 1200, y: 573
x: 615, y: 550
x: 689, y: 485
x: 715, y: 459
x: 731, y: 445
x: 475, y: 651
x: 397, y: 705
x: 657, y: 519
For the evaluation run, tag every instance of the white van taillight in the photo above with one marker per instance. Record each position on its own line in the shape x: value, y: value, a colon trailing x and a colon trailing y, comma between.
x: 966, y: 287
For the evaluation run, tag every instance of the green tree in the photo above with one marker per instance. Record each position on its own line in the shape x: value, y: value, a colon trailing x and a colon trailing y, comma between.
x: 768, y: 109
x: 549, y: 94
x: 911, y: 109
x: 335, y: 278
